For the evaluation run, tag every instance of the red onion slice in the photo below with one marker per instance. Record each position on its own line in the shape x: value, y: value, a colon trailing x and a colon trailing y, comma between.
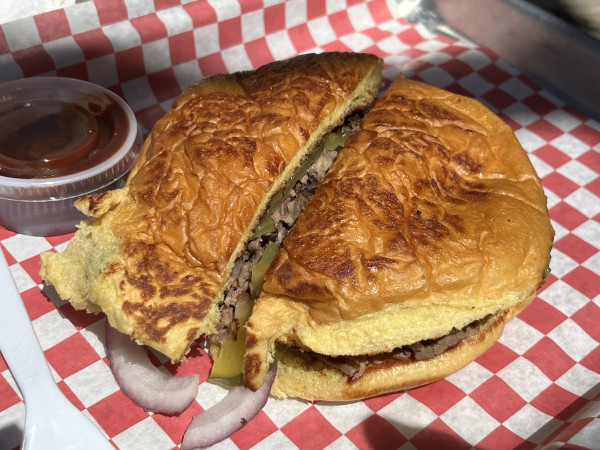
x: 142, y: 381
x: 220, y: 421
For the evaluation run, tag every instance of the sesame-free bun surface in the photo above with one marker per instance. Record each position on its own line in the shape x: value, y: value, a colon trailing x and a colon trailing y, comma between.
x: 157, y: 254
x: 431, y: 217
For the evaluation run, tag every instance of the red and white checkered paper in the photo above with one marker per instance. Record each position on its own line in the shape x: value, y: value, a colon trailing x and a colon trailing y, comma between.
x: 539, y: 385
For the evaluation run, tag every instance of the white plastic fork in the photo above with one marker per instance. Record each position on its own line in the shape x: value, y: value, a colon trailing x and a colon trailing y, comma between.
x: 51, y: 421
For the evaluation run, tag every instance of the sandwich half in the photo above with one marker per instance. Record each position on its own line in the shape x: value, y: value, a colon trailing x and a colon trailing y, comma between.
x: 167, y: 257
x: 429, y: 232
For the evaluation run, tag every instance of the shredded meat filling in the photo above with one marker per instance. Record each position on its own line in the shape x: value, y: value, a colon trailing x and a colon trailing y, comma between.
x: 354, y: 366
x: 285, y: 216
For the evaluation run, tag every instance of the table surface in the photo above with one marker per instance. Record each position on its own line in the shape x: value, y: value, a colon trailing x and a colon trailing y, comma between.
x: 539, y: 384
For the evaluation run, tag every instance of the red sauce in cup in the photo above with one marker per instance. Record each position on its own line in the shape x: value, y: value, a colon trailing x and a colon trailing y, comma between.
x: 51, y: 138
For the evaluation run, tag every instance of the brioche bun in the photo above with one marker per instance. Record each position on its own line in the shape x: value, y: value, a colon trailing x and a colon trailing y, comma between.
x: 432, y: 217
x: 157, y: 255
x: 295, y: 378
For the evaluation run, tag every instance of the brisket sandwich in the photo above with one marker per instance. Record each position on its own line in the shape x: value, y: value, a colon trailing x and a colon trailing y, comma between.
x: 169, y: 257
x: 429, y: 232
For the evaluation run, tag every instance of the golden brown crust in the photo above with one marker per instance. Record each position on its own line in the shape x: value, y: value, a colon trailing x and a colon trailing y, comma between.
x: 432, y: 195
x: 431, y: 217
x: 159, y: 252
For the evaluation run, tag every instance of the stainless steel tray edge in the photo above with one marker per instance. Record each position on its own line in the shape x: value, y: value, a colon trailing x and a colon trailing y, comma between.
x: 555, y: 54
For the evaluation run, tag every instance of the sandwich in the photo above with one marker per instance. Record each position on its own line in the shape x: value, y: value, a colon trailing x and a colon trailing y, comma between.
x: 428, y: 234
x: 169, y: 257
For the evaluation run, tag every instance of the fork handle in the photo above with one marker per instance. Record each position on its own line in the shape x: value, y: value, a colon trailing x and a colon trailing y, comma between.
x: 18, y: 342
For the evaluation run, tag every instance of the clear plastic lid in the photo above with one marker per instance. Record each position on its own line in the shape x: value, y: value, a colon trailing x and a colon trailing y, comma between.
x: 14, y: 94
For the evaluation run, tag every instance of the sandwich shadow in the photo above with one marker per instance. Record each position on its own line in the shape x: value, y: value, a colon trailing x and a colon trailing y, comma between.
x: 584, y: 407
x: 10, y: 436
x: 379, y: 431
x: 380, y: 435
x: 80, y: 319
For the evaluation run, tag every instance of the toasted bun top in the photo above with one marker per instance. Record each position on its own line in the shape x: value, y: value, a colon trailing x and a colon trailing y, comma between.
x: 158, y: 255
x: 430, y: 218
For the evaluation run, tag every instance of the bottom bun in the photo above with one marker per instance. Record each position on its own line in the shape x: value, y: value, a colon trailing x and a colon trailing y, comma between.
x: 295, y: 378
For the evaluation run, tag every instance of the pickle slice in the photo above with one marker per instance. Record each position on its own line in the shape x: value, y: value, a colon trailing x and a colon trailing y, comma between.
x: 331, y: 141
x: 265, y: 226
x: 230, y: 362
x: 260, y: 268
x: 228, y: 367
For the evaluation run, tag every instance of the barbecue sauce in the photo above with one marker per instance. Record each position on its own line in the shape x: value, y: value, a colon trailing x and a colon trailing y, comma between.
x: 51, y: 138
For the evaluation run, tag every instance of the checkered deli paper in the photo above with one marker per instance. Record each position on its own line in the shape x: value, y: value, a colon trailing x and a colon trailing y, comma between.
x: 538, y: 386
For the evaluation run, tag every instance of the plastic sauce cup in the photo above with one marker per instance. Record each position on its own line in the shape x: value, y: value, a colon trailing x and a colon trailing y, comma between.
x: 60, y: 139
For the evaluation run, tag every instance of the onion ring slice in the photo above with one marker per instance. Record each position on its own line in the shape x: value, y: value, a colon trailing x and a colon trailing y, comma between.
x: 220, y: 421
x: 143, y: 382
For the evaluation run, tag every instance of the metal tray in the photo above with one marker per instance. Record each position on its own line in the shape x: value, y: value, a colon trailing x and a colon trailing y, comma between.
x: 557, y: 55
